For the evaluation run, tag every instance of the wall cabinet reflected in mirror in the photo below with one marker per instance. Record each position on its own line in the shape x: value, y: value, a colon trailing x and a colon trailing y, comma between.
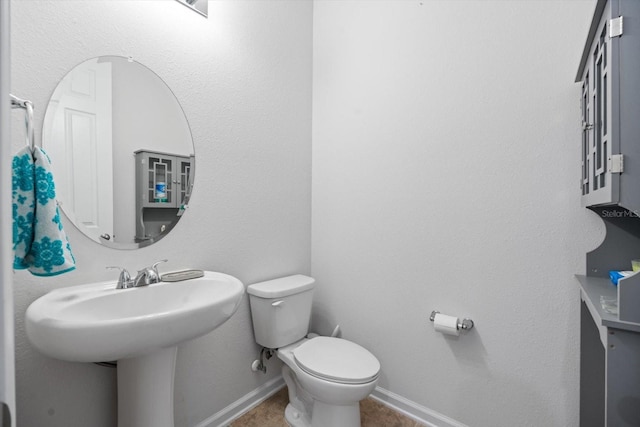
x: 163, y: 188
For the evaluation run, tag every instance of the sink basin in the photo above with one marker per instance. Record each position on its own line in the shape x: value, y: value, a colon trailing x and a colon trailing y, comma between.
x: 97, y: 322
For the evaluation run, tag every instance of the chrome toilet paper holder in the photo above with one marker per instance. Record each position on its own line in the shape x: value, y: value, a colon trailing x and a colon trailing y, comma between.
x: 464, y: 325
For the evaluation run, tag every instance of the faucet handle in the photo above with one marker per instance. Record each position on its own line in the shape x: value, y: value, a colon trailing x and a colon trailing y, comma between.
x: 154, y: 267
x: 124, y: 280
x: 149, y: 275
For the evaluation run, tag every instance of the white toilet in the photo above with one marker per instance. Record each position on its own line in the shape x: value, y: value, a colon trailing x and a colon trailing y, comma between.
x: 327, y: 377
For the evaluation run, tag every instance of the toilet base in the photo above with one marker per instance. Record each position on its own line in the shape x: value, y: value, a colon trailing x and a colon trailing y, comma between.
x: 295, y: 418
x: 324, y: 415
x: 335, y: 415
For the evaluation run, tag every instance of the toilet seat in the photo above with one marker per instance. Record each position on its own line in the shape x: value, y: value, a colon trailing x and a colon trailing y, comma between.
x: 337, y: 360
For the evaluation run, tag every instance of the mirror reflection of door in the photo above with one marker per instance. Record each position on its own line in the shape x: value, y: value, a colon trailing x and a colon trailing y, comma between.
x: 82, y: 129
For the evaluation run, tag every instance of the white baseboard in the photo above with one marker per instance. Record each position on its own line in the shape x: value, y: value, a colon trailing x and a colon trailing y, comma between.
x: 412, y: 410
x: 394, y: 401
x: 243, y: 405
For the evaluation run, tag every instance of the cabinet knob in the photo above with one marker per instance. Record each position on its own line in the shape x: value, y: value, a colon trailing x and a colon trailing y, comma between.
x: 587, y: 126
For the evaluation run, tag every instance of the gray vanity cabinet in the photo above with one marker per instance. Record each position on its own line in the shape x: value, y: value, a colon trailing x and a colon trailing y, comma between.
x: 610, y: 106
x: 609, y: 77
x: 609, y: 360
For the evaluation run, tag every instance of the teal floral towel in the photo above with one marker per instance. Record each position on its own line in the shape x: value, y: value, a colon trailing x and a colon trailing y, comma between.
x: 23, y: 206
x: 39, y: 242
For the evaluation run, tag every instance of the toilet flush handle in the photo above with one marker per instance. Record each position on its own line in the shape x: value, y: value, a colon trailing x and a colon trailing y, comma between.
x: 277, y: 303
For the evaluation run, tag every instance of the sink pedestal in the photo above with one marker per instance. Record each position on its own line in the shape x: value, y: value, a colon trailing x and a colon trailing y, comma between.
x: 145, y: 389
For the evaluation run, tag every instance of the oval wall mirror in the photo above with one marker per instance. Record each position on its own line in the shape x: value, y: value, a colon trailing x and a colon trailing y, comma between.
x: 121, y: 151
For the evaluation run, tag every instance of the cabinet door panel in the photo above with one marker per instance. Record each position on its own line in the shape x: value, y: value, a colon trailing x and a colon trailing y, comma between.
x: 599, y: 186
x: 161, y: 174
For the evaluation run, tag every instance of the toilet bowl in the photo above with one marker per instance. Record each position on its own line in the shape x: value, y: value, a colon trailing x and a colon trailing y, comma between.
x: 330, y: 377
x: 327, y: 377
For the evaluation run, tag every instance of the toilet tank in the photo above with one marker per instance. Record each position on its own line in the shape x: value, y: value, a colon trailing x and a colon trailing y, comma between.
x: 281, y: 309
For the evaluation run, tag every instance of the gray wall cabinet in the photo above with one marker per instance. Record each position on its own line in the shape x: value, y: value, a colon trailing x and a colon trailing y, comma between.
x: 154, y: 168
x: 609, y: 75
x: 163, y: 187
x: 610, y: 105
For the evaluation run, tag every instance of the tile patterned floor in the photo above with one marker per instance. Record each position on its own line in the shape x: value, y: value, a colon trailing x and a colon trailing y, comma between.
x: 270, y: 413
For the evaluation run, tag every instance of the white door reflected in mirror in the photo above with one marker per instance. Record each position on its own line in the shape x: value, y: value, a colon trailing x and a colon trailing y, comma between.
x: 83, y: 124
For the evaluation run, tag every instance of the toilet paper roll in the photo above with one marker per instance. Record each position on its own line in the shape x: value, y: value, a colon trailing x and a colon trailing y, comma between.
x: 446, y: 324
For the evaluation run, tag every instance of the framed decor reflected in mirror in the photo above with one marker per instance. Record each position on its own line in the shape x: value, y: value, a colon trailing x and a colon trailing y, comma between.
x: 121, y: 151
x: 200, y: 6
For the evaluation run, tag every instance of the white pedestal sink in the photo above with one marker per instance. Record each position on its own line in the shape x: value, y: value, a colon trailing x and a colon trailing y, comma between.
x: 138, y: 327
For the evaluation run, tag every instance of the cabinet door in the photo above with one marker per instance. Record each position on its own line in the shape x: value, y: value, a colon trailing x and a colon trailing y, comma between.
x: 184, y: 179
x: 160, y: 171
x: 599, y: 184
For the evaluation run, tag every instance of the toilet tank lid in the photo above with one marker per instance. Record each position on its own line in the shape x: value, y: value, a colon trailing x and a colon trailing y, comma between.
x: 281, y: 287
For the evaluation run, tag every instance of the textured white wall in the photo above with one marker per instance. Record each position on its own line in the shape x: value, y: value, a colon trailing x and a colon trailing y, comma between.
x: 445, y: 176
x: 243, y: 77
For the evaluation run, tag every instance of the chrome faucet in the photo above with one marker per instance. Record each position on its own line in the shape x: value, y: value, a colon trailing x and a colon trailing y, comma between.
x: 148, y: 275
